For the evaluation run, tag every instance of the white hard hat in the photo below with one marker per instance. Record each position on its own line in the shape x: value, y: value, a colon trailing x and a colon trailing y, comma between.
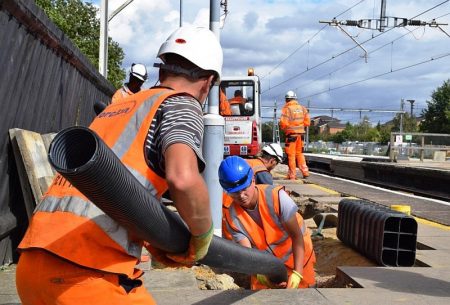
x: 275, y: 150
x: 198, y: 45
x: 290, y: 95
x: 139, y: 71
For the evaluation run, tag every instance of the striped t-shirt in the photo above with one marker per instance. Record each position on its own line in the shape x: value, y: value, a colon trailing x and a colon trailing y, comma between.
x: 179, y: 119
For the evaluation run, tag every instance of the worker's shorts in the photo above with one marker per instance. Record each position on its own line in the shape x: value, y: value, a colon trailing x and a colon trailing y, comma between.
x: 43, y: 278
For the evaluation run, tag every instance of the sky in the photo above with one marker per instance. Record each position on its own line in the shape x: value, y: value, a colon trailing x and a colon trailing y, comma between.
x: 289, y: 49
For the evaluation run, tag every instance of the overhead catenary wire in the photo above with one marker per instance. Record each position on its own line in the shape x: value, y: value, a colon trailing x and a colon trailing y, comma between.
x: 348, y: 50
x: 307, y: 41
x: 378, y: 75
x: 356, y: 60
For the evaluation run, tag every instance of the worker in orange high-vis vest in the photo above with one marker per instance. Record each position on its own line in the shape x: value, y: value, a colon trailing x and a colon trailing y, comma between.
x: 265, y: 217
x: 72, y: 253
x: 138, y: 76
x: 269, y: 157
x: 224, y: 105
x: 294, y: 119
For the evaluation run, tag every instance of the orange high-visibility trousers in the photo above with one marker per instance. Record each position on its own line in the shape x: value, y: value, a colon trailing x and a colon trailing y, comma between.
x: 294, y: 152
x: 43, y: 279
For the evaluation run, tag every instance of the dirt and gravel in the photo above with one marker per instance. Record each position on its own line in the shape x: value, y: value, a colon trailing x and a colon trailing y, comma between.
x: 330, y: 253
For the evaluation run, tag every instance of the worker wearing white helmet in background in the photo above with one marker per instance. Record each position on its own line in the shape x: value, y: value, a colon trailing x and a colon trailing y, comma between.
x: 269, y: 157
x: 294, y: 119
x: 138, y: 75
x: 88, y: 258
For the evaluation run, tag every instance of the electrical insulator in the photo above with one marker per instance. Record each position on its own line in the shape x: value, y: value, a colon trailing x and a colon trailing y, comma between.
x: 351, y: 22
x: 415, y: 22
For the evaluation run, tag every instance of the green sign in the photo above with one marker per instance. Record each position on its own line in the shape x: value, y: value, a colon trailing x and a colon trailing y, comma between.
x: 408, y: 137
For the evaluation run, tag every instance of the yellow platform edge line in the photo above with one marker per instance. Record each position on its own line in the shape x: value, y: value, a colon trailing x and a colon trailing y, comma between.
x: 431, y: 223
x: 324, y: 189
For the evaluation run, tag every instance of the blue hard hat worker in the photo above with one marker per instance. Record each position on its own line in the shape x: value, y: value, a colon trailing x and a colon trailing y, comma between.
x: 235, y: 174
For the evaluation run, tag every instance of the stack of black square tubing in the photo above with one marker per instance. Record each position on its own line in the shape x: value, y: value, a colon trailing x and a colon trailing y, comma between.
x: 379, y: 233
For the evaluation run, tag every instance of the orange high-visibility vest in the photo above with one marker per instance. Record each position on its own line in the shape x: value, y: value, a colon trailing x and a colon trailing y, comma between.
x: 67, y: 224
x: 272, y: 237
x: 121, y: 93
x: 294, y: 118
x: 257, y: 165
x: 237, y: 100
x: 224, y: 106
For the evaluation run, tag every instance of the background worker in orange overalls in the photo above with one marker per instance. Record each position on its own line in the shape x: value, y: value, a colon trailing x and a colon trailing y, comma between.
x: 294, y: 119
x: 73, y: 253
x: 265, y: 217
x: 138, y: 75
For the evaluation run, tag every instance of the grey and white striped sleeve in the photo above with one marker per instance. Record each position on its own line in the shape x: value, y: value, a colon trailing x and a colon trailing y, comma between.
x: 182, y: 122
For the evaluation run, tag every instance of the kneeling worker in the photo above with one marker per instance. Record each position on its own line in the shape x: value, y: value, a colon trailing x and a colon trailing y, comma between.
x: 270, y: 156
x: 265, y: 217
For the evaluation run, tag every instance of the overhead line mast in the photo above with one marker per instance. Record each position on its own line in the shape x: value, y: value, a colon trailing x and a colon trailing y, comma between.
x: 382, y: 23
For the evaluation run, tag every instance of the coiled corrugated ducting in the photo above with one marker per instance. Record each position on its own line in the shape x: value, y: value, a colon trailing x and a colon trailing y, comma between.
x: 386, y: 236
x: 79, y: 155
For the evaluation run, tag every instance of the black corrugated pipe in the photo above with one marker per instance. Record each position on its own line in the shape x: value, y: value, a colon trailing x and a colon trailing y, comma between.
x: 79, y: 155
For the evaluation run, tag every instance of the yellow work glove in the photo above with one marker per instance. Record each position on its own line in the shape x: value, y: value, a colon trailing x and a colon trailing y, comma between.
x: 262, y: 279
x: 294, y: 280
x: 198, y: 248
x: 160, y: 256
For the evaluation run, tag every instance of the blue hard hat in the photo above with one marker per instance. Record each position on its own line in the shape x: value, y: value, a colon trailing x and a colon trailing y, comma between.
x: 235, y: 174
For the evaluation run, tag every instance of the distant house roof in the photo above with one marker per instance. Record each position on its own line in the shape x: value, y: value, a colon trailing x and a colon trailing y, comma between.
x: 325, y: 118
x: 335, y: 124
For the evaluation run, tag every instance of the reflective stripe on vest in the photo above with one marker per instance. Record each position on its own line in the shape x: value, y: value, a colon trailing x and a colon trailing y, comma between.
x: 86, y: 209
x: 132, y: 128
x: 238, y: 226
x: 274, y: 213
x: 295, y: 118
x: 129, y: 134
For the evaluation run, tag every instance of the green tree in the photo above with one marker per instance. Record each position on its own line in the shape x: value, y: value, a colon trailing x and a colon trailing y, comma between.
x: 267, y: 132
x: 437, y: 115
x: 409, y: 123
x: 384, y: 132
x: 78, y: 20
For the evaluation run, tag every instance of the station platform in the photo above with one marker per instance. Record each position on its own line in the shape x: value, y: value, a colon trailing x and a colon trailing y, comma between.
x: 429, y: 178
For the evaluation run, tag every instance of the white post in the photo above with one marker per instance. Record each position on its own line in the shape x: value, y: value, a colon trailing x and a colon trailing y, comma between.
x: 213, y: 137
x: 103, y: 50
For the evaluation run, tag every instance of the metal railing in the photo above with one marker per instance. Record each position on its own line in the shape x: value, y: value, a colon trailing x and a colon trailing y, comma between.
x: 397, y: 148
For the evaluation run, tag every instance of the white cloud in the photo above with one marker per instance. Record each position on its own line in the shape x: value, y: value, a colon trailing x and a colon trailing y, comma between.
x: 272, y: 36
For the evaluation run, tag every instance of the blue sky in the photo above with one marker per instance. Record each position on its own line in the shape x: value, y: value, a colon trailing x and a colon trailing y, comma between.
x: 290, y: 50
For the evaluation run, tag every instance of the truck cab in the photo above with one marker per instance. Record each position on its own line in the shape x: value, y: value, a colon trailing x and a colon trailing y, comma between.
x: 243, y: 122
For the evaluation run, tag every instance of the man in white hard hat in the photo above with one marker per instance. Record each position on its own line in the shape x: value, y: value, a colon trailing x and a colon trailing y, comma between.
x: 269, y: 157
x: 87, y: 257
x: 138, y: 75
x: 294, y: 119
